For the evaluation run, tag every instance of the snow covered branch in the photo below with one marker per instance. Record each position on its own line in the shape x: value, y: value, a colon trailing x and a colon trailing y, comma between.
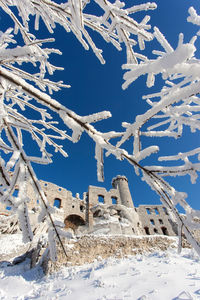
x: 173, y: 107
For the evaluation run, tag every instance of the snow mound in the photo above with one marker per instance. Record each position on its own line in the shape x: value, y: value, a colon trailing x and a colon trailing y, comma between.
x: 155, y: 276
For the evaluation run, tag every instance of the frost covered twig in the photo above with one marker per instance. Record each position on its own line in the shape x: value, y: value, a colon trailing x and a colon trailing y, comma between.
x: 22, y: 207
x: 115, y: 25
x: 172, y: 108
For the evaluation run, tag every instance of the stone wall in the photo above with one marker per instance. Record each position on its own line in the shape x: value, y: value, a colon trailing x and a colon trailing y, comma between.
x: 98, y: 195
x: 88, y: 248
x: 155, y: 219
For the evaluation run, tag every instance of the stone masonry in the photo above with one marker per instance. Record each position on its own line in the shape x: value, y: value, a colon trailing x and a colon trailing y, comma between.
x: 79, y: 213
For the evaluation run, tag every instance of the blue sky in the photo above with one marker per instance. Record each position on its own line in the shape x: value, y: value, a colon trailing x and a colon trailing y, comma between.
x: 97, y: 87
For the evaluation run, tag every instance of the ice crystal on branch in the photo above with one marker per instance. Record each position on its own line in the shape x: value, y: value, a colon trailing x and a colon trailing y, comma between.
x: 172, y: 108
x: 115, y: 25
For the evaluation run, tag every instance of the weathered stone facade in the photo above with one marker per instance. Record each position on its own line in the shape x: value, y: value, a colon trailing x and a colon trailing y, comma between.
x: 155, y: 219
x: 114, y: 208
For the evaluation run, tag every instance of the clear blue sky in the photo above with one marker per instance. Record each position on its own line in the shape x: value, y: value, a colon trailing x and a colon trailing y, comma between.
x: 97, y: 87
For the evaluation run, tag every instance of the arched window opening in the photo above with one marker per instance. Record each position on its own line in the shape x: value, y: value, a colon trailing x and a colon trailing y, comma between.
x: 152, y: 222
x: 161, y: 221
x: 8, y: 207
x: 101, y: 199
x: 57, y: 203
x: 147, y: 230
x: 156, y: 211
x: 155, y: 230
x: 114, y: 200
x: 164, y: 230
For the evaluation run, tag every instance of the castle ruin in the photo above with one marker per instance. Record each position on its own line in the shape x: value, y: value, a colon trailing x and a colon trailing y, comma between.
x: 102, y: 211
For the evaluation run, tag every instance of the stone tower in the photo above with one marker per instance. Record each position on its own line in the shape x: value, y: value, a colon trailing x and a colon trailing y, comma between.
x: 121, y: 183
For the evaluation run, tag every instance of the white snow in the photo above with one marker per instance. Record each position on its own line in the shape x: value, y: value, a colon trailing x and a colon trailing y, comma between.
x: 155, y: 276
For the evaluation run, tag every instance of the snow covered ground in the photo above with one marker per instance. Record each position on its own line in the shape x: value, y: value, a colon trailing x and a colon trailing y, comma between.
x: 159, y: 276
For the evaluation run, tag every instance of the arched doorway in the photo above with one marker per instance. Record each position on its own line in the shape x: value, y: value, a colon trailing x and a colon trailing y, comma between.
x: 73, y: 222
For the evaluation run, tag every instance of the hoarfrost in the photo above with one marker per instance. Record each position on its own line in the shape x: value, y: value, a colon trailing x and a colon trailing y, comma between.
x: 172, y: 108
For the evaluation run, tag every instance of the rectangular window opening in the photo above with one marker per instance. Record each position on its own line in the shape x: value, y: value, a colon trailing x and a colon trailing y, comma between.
x: 147, y: 230
x: 114, y: 200
x: 57, y: 203
x: 152, y: 222
x: 165, y: 210
x: 15, y: 193
x: 148, y: 211
x: 100, y: 199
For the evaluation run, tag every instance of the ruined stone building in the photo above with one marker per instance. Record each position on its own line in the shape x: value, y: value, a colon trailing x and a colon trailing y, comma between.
x: 102, y: 211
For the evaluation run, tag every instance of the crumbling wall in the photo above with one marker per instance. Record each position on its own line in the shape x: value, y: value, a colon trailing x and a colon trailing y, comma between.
x: 155, y: 219
x: 98, y: 195
x: 88, y: 248
x: 146, y: 220
x: 61, y: 198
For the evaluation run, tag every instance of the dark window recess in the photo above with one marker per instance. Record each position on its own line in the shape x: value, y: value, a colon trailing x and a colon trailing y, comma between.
x: 97, y: 213
x: 57, y: 203
x: 86, y: 199
x: 155, y: 230
x: 8, y: 207
x: 164, y: 230
x: 152, y: 222
x: 165, y: 210
x: 156, y: 211
x: 148, y: 211
x: 160, y: 221
x: 72, y: 206
x: 147, y: 230
x: 81, y: 208
x: 114, y: 200
x: 100, y: 199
